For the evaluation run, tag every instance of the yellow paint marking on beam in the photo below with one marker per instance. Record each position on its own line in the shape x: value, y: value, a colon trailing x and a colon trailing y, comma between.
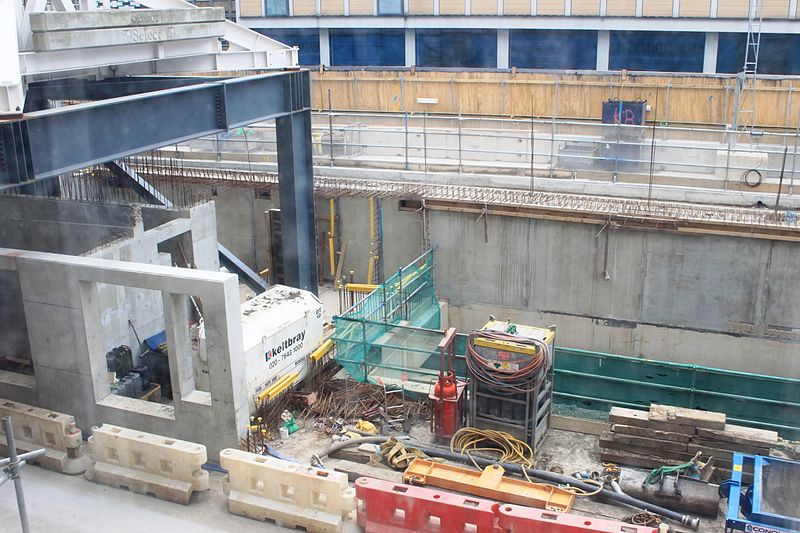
x: 323, y: 349
x: 278, y: 387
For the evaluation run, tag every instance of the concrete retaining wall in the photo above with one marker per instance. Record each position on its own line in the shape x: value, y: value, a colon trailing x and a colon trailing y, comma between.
x: 716, y: 301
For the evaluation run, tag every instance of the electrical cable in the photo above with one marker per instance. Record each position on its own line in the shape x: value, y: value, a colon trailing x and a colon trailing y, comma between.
x: 747, y: 173
x: 507, y: 381
x: 506, y: 447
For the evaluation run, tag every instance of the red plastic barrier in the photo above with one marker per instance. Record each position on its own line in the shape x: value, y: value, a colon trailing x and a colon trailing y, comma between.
x: 386, y: 507
x: 515, y: 518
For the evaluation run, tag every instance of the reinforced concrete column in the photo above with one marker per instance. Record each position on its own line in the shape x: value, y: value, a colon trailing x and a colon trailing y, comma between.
x: 502, y: 48
x: 710, y: 54
x: 411, y: 47
x: 296, y: 188
x: 325, y: 47
x: 603, y: 49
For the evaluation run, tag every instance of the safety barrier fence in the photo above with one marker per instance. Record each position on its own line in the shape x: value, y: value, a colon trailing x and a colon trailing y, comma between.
x: 529, y: 148
x: 144, y: 463
x: 290, y: 494
x: 407, y: 297
x: 37, y: 428
x: 585, y: 379
x: 386, y: 506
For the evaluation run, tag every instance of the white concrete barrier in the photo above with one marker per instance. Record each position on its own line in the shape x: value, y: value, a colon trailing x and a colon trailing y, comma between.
x: 36, y: 428
x: 290, y: 494
x: 166, y: 468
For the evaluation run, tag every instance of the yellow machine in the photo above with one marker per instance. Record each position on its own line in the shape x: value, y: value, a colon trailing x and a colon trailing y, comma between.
x: 511, y: 379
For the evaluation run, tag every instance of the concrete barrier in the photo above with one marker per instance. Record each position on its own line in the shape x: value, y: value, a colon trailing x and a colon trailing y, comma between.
x: 36, y: 428
x: 144, y: 463
x: 290, y: 494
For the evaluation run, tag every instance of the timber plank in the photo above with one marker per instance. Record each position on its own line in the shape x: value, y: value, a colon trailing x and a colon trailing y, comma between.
x: 740, y: 435
x: 643, y: 442
x: 649, y: 433
x: 690, y: 417
x: 730, y: 446
x: 634, y: 417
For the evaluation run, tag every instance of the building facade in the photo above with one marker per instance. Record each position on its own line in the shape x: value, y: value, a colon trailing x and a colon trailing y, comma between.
x: 700, y: 36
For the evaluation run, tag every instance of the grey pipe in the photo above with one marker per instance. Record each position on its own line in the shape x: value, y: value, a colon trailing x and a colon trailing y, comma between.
x: 316, y: 459
x: 559, y: 479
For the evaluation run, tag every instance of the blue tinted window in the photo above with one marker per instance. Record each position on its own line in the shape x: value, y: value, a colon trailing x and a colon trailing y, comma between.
x: 276, y: 8
x: 553, y: 49
x: 777, y: 53
x: 306, y: 40
x: 651, y: 50
x: 390, y: 7
x: 368, y: 47
x: 457, y: 48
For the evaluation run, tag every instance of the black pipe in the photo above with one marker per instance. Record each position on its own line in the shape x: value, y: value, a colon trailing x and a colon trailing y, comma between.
x: 560, y: 479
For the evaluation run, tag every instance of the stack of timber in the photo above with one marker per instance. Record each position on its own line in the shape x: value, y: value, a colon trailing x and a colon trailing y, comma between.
x: 668, y: 435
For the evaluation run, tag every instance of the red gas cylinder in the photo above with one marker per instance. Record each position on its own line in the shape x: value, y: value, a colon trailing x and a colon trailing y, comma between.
x: 446, y: 408
x: 446, y: 387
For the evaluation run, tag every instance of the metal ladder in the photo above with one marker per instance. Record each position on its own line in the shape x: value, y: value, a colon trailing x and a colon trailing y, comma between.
x: 394, y: 406
x: 744, y: 118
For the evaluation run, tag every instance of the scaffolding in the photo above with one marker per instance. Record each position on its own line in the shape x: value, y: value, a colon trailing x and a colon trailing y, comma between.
x: 384, y: 335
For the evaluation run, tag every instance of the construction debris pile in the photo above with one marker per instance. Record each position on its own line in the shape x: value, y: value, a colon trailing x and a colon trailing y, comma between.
x: 669, y: 435
x: 341, y: 401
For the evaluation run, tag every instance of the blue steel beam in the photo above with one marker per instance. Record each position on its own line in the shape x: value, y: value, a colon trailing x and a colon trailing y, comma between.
x: 88, y: 89
x: 56, y: 141
x: 296, y: 189
x: 47, y: 143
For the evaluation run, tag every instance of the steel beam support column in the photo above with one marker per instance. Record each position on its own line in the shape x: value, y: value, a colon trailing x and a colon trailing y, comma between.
x: 66, y: 139
x: 86, y: 89
x: 296, y: 188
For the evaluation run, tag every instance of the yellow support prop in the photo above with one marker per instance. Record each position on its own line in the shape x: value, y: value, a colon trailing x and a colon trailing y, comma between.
x: 489, y: 484
x: 323, y: 350
x: 331, y: 236
x: 272, y: 392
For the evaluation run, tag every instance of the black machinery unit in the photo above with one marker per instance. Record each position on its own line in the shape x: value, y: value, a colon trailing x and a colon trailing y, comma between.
x: 510, y: 369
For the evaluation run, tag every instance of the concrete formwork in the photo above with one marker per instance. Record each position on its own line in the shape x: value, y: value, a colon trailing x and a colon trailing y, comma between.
x: 63, y: 294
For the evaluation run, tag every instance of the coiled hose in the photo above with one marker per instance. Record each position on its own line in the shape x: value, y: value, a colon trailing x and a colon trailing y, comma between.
x: 507, y: 449
x: 507, y: 381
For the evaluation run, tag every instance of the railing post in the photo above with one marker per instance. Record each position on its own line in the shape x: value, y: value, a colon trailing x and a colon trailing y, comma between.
x: 405, y: 127
x: 728, y: 158
x: 459, y: 138
x: 330, y: 127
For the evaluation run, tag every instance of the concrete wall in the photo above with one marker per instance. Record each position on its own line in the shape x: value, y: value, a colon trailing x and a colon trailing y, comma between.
x: 76, y: 308
x: 242, y: 229
x: 63, y: 296
x: 110, y: 231
x: 715, y: 301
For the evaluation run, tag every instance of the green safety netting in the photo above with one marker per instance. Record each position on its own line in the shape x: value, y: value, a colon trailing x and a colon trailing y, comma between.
x: 393, y: 329
x: 391, y: 336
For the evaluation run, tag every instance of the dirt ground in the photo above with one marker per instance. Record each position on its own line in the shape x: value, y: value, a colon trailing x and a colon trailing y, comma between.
x: 570, y: 451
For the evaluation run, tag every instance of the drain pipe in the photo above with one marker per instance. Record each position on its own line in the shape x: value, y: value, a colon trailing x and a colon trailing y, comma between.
x: 560, y: 479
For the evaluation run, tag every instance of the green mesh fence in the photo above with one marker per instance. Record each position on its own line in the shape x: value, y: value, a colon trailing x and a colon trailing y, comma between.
x: 393, y: 329
x: 392, y: 335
